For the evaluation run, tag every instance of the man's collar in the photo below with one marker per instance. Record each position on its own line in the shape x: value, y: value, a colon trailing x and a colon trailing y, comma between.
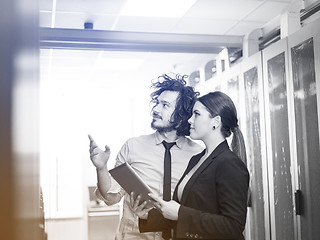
x: 179, y: 142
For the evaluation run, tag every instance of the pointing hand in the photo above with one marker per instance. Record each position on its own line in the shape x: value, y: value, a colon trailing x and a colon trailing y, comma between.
x: 98, y: 157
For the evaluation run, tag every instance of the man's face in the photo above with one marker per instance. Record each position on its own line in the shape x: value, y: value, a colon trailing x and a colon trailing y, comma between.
x: 162, y: 111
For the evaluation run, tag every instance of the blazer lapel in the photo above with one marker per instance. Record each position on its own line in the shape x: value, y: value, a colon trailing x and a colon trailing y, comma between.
x: 193, y: 161
x: 194, y: 177
x: 210, y: 159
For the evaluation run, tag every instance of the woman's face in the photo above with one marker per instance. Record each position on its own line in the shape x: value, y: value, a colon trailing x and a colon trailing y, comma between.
x: 201, y: 122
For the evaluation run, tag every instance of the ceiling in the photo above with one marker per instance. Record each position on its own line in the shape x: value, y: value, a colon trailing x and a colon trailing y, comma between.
x: 227, y: 17
x: 192, y: 17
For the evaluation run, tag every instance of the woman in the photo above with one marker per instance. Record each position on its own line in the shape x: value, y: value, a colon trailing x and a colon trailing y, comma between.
x: 210, y: 200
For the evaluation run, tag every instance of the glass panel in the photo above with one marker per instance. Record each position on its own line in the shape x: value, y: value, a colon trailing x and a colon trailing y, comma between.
x: 305, y: 102
x: 233, y: 90
x: 283, y: 203
x: 253, y: 146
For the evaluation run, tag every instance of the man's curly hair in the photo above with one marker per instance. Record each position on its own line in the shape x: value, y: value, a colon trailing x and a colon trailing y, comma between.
x: 185, y: 101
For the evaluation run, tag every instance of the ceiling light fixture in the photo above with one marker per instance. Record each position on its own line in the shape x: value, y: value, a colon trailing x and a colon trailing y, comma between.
x: 113, y: 64
x: 155, y: 8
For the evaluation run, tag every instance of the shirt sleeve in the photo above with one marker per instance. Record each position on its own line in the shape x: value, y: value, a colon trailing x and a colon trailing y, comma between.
x: 115, y: 192
x: 122, y: 157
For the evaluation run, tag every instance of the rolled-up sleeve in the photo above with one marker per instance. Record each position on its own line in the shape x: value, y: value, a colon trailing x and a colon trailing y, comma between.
x: 115, y: 192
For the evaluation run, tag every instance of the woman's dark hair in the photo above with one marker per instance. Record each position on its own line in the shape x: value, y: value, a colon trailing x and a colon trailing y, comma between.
x: 185, y: 101
x: 220, y: 104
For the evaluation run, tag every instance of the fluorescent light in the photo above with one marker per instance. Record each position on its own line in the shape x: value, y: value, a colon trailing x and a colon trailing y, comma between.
x: 157, y: 8
x: 118, y: 63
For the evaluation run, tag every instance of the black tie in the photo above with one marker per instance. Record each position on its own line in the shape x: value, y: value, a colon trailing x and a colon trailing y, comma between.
x: 167, y: 171
x: 166, y: 234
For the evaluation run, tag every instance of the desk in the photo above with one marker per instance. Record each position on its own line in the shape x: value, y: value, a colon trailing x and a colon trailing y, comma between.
x: 102, y: 221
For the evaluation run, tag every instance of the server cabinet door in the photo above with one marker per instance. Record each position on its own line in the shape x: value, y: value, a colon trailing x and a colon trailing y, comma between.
x: 304, y: 52
x: 275, y: 66
x: 232, y: 85
x: 254, y: 133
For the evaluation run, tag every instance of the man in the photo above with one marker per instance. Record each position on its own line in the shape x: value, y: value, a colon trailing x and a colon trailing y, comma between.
x: 173, y: 103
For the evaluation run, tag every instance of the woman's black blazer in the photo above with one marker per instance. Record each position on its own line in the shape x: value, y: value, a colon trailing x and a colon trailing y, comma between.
x: 213, y: 202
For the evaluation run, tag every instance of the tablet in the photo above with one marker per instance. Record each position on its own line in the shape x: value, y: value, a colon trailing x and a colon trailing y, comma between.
x: 130, y: 181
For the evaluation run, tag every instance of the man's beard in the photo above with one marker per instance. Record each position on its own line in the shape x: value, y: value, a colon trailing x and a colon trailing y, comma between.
x: 170, y: 127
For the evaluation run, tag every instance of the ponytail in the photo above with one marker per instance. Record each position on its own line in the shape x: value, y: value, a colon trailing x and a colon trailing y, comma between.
x: 237, y: 144
x: 239, y: 148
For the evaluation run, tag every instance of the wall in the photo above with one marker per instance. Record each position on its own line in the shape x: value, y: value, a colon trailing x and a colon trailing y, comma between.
x: 20, y: 216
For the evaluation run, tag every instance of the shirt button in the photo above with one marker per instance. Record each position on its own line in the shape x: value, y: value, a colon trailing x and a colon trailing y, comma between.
x: 191, y: 235
x: 196, y: 236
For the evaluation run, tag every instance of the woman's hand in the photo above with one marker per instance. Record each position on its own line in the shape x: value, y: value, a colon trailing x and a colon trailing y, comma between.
x: 168, y: 209
x: 140, y: 210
